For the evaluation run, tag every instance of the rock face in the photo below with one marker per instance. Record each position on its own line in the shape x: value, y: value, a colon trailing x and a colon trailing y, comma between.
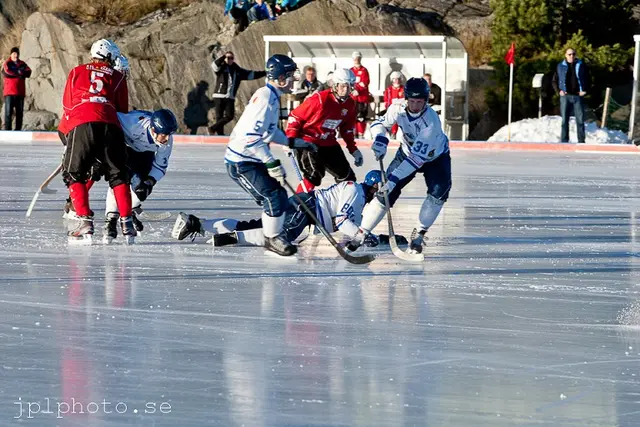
x: 170, y: 52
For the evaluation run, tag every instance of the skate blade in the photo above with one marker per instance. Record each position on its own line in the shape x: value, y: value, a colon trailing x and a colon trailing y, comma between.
x: 281, y: 257
x: 86, y: 240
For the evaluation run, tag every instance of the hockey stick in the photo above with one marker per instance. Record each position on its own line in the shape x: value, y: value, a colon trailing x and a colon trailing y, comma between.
x: 150, y: 216
x: 350, y: 258
x: 296, y: 168
x: 392, y: 236
x: 44, y: 189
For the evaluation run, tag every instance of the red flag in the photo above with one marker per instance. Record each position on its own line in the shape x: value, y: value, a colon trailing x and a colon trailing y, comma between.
x: 510, y: 57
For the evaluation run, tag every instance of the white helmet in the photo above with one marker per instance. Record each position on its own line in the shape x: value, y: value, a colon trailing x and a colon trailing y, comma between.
x: 356, y: 54
x: 396, y: 75
x: 106, y: 50
x: 122, y: 64
x: 343, y: 75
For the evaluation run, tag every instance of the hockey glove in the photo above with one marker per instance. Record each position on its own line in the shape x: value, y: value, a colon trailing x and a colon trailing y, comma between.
x: 357, y: 158
x: 357, y: 241
x: 389, y: 186
x: 301, y: 144
x: 276, y: 171
x: 380, y: 146
x: 144, y: 188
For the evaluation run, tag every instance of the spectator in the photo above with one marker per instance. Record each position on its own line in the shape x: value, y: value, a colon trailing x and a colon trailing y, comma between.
x: 284, y: 6
x: 571, y: 81
x: 260, y: 11
x: 394, y: 94
x: 309, y: 85
x: 435, y: 94
x: 15, y: 72
x: 361, y: 92
x: 198, y: 106
x: 228, y: 78
x: 238, y: 10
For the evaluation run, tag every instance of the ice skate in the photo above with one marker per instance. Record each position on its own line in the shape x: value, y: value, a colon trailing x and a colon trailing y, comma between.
x: 80, y: 231
x: 187, y: 226
x: 137, y: 224
x: 279, y: 245
x: 225, y: 239
x: 110, y: 230
x: 128, y: 230
x: 417, y: 240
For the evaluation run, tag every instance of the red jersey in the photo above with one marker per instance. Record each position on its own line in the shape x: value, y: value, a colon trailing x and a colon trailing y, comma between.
x: 94, y: 92
x: 14, y: 74
x: 362, y: 83
x: 392, y: 93
x: 320, y: 116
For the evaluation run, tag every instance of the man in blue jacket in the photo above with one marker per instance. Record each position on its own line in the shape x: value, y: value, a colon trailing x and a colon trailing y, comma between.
x: 571, y: 81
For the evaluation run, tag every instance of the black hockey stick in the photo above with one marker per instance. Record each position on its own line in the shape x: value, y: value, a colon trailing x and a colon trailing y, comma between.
x: 44, y: 189
x: 392, y: 236
x: 365, y: 259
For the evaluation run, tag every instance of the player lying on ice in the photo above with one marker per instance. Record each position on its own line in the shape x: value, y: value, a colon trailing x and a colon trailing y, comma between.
x: 339, y: 207
x: 424, y: 149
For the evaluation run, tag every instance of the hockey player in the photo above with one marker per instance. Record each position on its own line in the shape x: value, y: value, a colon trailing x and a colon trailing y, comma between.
x: 339, y: 207
x: 249, y: 160
x: 149, y: 141
x: 424, y: 149
x: 317, y: 120
x: 93, y: 95
x: 361, y: 92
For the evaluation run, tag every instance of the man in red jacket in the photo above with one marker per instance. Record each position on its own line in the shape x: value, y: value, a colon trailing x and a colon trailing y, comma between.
x: 317, y: 121
x: 14, y: 71
x: 93, y: 96
x: 361, y: 92
x: 394, y: 94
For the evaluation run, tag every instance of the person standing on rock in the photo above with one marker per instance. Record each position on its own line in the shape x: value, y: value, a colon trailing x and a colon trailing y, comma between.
x: 228, y: 77
x: 14, y: 72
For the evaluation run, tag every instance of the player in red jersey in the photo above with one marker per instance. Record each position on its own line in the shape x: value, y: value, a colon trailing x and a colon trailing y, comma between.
x: 93, y: 95
x: 360, y: 92
x: 317, y: 121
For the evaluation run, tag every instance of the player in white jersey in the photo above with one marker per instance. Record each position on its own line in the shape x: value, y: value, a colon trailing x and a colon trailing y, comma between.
x: 249, y: 160
x: 149, y: 140
x: 338, y: 207
x: 424, y: 149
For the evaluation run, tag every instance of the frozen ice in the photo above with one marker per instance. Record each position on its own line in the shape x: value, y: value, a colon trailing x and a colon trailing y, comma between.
x: 526, y: 310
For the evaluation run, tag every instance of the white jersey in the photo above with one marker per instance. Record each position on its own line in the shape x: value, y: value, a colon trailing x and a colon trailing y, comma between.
x: 339, y: 207
x: 135, y: 125
x: 422, y: 141
x: 256, y: 128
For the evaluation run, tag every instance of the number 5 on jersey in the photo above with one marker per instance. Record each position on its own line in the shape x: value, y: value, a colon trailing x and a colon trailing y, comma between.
x: 97, y: 81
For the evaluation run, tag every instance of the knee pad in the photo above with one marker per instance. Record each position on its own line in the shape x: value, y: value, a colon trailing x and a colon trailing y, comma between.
x: 440, y: 193
x: 276, y: 202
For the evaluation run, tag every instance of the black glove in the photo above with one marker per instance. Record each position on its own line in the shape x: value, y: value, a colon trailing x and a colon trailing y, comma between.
x: 401, y: 240
x: 144, y: 188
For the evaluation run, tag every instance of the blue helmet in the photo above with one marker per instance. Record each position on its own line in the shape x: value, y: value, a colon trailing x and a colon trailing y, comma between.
x: 280, y: 65
x: 416, y: 88
x: 164, y: 122
x: 373, y: 177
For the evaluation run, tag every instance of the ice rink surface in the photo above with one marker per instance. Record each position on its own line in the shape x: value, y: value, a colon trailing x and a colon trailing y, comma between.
x: 526, y: 311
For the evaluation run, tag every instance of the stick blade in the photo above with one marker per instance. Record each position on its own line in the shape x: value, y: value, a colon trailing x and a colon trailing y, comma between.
x: 47, y: 190
x: 365, y: 259
x: 406, y: 256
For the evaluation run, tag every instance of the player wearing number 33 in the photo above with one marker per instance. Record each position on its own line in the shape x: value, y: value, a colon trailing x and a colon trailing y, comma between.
x: 249, y: 160
x: 424, y: 149
x: 94, y: 93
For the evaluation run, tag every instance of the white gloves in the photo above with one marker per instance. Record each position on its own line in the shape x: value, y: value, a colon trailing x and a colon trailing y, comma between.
x: 380, y: 146
x: 301, y: 144
x: 388, y: 187
x: 276, y: 171
x: 357, y: 158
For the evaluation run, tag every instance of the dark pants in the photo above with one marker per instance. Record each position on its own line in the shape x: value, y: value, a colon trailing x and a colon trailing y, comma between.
x: 91, y: 143
x: 575, y: 103
x: 140, y: 162
x: 328, y: 159
x: 265, y: 190
x: 13, y: 103
x: 225, y: 109
x: 437, y: 176
x: 296, y: 219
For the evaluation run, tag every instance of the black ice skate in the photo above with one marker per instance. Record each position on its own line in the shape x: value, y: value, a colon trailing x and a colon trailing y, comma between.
x: 128, y: 231
x: 225, y: 239
x: 80, y: 231
x: 187, y: 226
x: 137, y: 224
x: 279, y: 245
x: 417, y: 240
x: 110, y: 230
